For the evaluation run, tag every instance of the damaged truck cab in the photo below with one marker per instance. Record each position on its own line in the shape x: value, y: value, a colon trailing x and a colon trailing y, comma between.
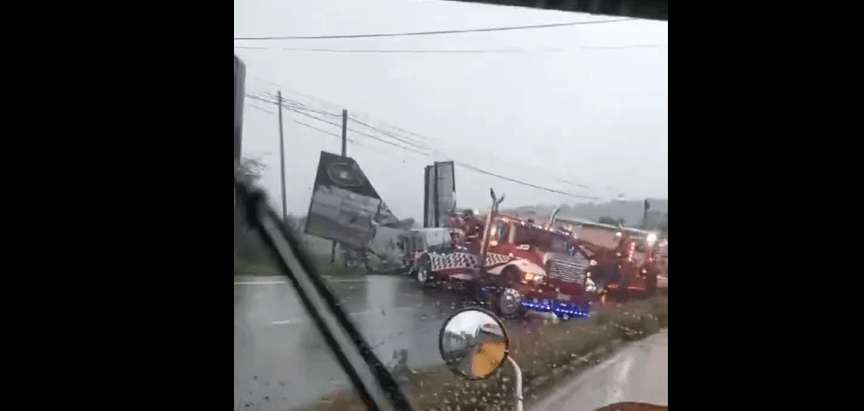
x: 523, y: 266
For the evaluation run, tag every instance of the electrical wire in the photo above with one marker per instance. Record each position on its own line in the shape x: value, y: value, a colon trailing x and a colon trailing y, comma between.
x: 426, y: 154
x: 446, y: 156
x: 434, y: 33
x: 262, y: 109
x: 453, y: 51
x: 392, y: 135
x: 326, y: 132
x: 292, y: 109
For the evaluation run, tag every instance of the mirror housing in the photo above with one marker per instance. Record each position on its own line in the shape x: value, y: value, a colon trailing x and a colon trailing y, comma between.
x: 474, y: 343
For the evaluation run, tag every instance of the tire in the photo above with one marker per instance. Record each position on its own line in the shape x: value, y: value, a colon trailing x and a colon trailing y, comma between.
x: 423, y: 274
x: 651, y: 281
x: 509, y: 303
x: 623, y: 284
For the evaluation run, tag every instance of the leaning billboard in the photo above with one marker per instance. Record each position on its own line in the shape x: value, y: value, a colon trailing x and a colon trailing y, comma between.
x: 345, y: 204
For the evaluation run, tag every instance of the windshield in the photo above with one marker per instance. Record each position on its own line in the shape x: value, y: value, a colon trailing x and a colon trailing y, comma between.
x: 364, y: 129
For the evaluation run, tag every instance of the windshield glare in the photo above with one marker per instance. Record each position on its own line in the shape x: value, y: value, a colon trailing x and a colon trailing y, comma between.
x: 388, y: 150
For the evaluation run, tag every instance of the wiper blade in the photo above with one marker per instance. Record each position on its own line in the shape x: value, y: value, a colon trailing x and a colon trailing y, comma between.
x: 374, y: 383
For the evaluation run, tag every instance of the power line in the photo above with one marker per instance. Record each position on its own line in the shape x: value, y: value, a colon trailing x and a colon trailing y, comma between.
x: 290, y: 108
x: 453, y: 51
x: 301, y: 106
x: 479, y: 170
x: 446, y: 156
x: 400, y: 51
x: 403, y: 139
x: 337, y: 106
x: 325, y: 132
x: 298, y: 111
x: 482, y: 171
x: 262, y: 109
x: 425, y: 154
x: 474, y: 168
x: 433, y: 33
x: 404, y: 133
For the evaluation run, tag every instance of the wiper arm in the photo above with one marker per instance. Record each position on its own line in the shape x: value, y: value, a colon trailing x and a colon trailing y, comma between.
x: 374, y: 383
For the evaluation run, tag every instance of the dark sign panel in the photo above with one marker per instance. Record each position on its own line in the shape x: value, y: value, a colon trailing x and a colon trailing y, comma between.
x: 345, y: 204
x: 446, y: 191
x: 440, y: 194
x: 429, y: 197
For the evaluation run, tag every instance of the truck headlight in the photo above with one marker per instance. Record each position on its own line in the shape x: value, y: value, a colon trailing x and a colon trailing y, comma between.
x: 590, y: 287
x: 529, y: 276
x: 652, y: 239
x: 594, y: 263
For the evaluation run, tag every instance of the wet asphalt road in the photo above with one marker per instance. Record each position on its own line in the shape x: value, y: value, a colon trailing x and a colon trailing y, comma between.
x: 638, y: 373
x: 280, y: 360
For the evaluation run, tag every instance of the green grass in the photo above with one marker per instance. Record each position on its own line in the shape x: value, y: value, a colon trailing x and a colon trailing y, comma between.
x: 556, y: 352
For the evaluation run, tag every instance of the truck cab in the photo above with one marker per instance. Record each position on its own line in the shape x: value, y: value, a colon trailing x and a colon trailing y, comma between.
x: 552, y: 263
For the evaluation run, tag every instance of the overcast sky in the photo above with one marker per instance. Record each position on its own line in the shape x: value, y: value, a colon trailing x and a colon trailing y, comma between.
x: 585, y: 104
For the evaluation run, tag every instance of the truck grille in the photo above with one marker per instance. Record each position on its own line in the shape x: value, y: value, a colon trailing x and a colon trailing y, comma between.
x: 569, y: 272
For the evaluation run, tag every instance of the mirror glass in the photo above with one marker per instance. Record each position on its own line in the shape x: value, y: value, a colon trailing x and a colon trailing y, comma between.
x: 474, y: 343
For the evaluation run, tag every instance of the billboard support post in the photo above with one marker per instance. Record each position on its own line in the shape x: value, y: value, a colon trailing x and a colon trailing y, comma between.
x: 239, y: 99
x: 344, y: 154
x: 426, y: 197
x: 282, y: 158
x: 437, y: 201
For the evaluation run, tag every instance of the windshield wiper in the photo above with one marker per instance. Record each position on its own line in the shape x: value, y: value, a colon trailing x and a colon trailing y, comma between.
x: 374, y: 383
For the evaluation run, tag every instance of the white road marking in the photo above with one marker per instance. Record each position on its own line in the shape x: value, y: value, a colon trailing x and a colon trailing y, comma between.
x: 358, y: 314
x: 285, y: 282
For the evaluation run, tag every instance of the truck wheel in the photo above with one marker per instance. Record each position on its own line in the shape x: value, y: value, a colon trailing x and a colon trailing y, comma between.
x: 651, y: 283
x: 509, y: 303
x: 623, y: 285
x: 424, y: 274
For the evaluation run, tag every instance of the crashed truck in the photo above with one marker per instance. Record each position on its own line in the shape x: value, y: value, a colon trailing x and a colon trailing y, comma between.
x: 401, y: 250
x: 514, y: 265
x: 624, y: 258
x: 346, y: 209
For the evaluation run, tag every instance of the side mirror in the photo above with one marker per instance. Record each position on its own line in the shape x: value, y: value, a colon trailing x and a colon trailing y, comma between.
x: 474, y: 343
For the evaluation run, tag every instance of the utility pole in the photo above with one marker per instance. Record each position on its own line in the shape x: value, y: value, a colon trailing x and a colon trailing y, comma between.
x: 282, y: 156
x: 645, y: 217
x: 344, y: 154
x: 344, y: 133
